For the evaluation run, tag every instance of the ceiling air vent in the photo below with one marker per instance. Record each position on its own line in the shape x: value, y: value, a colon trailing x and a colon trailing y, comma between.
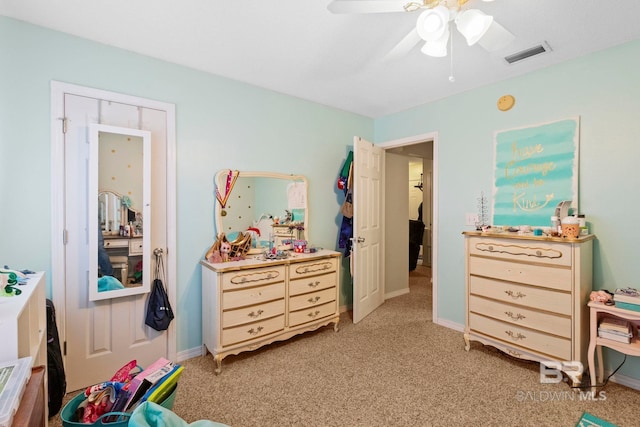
x: 527, y: 53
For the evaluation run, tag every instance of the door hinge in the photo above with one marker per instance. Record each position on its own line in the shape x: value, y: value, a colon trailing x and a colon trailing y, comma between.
x: 64, y: 348
x: 64, y: 124
x: 64, y: 237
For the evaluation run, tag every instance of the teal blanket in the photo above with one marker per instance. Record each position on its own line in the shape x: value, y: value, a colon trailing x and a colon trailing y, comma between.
x: 151, y: 414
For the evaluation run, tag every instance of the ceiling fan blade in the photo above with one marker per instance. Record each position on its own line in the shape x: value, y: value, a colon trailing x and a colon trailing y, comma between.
x: 366, y: 6
x: 403, y: 47
x: 497, y: 37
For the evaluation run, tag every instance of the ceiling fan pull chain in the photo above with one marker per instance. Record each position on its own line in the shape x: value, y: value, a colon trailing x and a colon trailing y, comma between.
x: 451, y: 78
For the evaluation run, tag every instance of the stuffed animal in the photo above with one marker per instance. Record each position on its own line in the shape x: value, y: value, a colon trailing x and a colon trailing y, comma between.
x: 225, y: 250
x: 601, y: 296
x: 214, y: 254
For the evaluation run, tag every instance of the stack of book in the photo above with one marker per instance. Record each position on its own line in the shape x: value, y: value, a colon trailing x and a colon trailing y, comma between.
x: 154, y: 384
x: 616, y: 329
x: 628, y: 298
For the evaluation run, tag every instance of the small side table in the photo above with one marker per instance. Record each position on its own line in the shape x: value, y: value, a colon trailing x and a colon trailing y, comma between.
x: 598, y: 311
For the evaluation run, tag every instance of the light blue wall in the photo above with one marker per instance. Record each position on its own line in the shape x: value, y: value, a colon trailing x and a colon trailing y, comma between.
x: 604, y: 90
x: 226, y: 124
x: 221, y: 124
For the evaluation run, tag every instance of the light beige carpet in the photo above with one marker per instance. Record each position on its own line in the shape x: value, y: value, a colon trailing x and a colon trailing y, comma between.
x: 395, y: 368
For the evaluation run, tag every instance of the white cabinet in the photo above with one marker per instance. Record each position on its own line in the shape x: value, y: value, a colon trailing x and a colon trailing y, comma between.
x: 23, y: 322
x: 250, y: 303
x: 527, y: 295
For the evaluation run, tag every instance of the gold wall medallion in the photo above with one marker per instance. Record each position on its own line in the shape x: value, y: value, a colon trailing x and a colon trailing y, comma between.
x: 506, y: 102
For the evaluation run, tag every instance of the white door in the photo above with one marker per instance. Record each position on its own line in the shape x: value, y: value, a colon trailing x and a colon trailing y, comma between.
x: 368, y: 228
x: 101, y: 336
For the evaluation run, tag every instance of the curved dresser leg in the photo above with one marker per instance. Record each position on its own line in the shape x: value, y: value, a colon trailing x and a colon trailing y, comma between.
x: 467, y: 342
x: 218, y: 360
x: 335, y: 327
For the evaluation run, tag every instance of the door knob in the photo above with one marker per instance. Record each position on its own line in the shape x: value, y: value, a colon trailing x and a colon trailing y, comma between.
x: 359, y: 239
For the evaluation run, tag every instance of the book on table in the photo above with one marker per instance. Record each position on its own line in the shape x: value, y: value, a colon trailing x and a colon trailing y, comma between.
x: 627, y: 295
x: 615, y: 324
x: 615, y: 336
x: 627, y: 306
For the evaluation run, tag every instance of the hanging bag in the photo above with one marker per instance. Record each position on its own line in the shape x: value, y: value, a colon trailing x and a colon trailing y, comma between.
x: 159, y: 312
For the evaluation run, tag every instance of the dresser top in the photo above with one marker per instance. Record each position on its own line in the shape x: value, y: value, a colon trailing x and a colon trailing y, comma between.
x: 529, y: 236
x: 259, y: 261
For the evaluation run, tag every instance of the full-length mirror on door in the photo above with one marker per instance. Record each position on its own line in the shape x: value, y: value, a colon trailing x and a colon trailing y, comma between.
x: 119, y: 212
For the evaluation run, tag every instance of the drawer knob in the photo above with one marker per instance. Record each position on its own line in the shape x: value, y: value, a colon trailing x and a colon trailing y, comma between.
x: 515, y: 294
x: 314, y: 299
x: 314, y: 284
x: 254, y: 314
x: 255, y: 331
x: 515, y: 336
x: 515, y: 317
x: 314, y: 314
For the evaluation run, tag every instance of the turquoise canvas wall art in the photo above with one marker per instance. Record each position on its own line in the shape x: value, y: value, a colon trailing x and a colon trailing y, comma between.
x: 536, y: 167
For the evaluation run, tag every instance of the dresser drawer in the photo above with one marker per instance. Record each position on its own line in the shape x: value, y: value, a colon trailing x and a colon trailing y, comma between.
x: 540, y: 342
x: 116, y: 243
x: 312, y: 268
x: 311, y: 299
x: 312, y: 313
x: 521, y: 316
x: 250, y: 314
x: 135, y: 247
x: 522, y: 250
x: 530, y: 274
x: 310, y: 284
x: 252, y: 296
x: 258, y: 329
x: 529, y: 296
x: 253, y: 277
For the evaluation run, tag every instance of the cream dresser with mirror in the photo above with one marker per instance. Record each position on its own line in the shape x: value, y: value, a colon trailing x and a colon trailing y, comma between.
x: 249, y: 303
x: 527, y: 295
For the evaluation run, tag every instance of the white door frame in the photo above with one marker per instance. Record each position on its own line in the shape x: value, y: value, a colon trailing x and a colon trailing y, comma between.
x: 433, y: 136
x: 58, y: 89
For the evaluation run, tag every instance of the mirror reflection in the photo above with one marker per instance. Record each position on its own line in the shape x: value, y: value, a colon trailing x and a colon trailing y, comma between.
x: 119, y: 179
x: 272, y: 207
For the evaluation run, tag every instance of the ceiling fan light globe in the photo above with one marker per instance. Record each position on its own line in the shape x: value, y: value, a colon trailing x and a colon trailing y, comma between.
x: 432, y: 23
x: 436, y: 48
x: 473, y: 24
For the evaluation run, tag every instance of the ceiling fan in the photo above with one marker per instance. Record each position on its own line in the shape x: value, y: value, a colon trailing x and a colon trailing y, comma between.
x: 433, y: 24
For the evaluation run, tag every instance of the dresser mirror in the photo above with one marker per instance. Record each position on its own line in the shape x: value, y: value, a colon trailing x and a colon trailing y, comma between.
x: 251, y: 201
x: 119, y: 221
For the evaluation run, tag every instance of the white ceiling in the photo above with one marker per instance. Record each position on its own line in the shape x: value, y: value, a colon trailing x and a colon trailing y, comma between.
x: 299, y: 48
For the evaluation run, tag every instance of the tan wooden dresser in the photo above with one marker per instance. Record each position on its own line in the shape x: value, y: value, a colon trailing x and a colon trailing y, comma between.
x: 250, y: 303
x: 527, y: 295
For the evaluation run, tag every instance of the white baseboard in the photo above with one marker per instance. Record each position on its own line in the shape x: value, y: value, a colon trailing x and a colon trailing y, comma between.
x: 624, y: 380
x: 396, y: 293
x: 449, y: 324
x: 190, y: 354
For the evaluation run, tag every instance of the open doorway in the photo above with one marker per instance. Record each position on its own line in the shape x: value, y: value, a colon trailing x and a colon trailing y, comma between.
x: 419, y: 172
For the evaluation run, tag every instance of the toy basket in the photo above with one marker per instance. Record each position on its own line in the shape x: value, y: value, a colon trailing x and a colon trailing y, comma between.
x: 68, y: 414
